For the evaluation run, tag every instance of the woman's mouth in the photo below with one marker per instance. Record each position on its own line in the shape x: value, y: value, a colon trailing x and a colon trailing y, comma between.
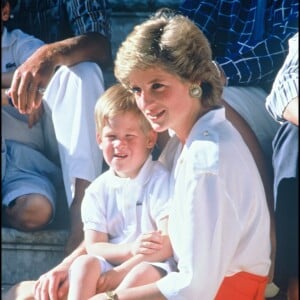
x: 155, y: 117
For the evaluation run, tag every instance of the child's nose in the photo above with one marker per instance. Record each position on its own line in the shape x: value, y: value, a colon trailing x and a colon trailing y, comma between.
x: 120, y: 143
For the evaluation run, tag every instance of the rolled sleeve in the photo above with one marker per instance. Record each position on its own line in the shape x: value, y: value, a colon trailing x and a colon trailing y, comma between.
x: 286, y: 85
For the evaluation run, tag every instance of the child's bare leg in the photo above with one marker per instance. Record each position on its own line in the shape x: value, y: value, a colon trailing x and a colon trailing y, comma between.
x: 84, y: 274
x: 20, y: 291
x: 141, y: 274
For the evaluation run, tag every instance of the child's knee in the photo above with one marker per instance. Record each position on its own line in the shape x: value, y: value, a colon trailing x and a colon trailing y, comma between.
x: 85, y: 263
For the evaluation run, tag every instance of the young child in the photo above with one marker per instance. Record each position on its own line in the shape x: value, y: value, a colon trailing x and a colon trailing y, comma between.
x: 124, y: 211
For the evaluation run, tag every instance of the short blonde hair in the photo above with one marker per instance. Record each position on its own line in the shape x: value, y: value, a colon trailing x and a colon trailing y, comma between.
x: 116, y: 100
x: 174, y: 43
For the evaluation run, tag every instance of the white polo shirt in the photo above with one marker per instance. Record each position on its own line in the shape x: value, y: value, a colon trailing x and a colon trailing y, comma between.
x: 123, y: 207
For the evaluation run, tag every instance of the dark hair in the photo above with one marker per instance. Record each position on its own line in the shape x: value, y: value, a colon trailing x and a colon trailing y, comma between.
x: 11, y: 2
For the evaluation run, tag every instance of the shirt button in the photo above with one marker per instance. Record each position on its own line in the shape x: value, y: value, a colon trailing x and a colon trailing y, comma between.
x: 205, y: 133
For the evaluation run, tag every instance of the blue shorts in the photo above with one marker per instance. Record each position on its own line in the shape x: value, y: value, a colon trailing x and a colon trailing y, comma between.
x: 27, y: 171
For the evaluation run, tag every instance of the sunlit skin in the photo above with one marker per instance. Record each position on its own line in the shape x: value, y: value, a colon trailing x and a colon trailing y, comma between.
x: 124, y: 144
x: 164, y: 99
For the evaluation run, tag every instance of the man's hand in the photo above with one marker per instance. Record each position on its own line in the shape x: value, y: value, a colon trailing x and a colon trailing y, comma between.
x: 31, y: 79
x: 35, y: 116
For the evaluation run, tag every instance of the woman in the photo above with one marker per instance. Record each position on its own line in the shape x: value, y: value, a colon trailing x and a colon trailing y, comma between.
x: 219, y: 222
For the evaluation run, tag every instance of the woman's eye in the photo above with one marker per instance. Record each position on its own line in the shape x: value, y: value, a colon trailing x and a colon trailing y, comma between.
x: 110, y: 137
x: 135, y: 90
x: 156, y: 86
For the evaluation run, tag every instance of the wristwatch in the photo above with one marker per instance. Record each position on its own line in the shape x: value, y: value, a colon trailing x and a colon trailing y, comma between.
x: 111, y: 295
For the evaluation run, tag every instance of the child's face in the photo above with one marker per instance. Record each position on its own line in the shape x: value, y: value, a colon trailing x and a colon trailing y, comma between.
x: 124, y: 144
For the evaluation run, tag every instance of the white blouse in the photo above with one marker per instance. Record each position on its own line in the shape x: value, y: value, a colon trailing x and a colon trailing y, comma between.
x: 219, y: 221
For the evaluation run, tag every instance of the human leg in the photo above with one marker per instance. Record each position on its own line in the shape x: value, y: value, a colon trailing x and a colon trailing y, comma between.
x: 20, y: 291
x: 84, y: 274
x: 142, y: 274
x: 286, y: 178
x: 69, y: 112
x: 29, y: 212
x: 28, y: 188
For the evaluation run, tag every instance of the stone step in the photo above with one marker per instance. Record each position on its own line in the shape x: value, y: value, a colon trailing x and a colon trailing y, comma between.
x: 25, y: 256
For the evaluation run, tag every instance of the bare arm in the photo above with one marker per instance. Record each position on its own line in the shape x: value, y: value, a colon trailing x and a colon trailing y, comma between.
x: 152, y: 247
x: 38, y: 69
x: 291, y: 112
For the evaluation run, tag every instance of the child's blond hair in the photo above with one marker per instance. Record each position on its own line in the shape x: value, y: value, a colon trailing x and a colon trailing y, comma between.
x: 117, y: 100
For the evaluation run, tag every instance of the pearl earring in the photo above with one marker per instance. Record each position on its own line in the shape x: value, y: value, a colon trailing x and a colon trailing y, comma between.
x: 195, y: 91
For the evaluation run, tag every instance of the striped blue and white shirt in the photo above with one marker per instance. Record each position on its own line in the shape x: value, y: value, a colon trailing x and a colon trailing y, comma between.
x: 248, y: 56
x: 54, y: 20
x: 286, y: 85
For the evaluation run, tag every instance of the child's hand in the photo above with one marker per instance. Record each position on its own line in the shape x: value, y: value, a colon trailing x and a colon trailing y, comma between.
x: 147, y: 243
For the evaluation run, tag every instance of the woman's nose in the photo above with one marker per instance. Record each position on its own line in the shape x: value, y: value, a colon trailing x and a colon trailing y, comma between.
x: 144, y: 100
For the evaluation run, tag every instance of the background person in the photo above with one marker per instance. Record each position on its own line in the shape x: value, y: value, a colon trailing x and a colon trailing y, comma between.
x: 283, y: 105
x: 77, y: 34
x: 29, y: 186
x: 249, y: 41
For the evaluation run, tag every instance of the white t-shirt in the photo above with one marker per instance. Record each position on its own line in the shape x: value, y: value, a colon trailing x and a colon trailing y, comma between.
x: 219, y: 222
x: 123, y: 207
x: 16, y: 47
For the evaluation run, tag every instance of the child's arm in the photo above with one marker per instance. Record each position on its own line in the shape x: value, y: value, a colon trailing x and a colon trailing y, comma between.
x: 155, y: 246
x: 114, y: 253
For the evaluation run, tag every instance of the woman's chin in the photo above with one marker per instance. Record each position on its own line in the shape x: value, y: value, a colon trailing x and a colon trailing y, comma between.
x: 158, y: 127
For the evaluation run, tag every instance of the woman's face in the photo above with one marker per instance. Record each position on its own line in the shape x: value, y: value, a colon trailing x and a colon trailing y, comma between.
x: 164, y: 99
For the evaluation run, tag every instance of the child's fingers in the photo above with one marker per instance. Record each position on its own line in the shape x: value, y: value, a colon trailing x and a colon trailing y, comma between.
x: 154, y: 237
